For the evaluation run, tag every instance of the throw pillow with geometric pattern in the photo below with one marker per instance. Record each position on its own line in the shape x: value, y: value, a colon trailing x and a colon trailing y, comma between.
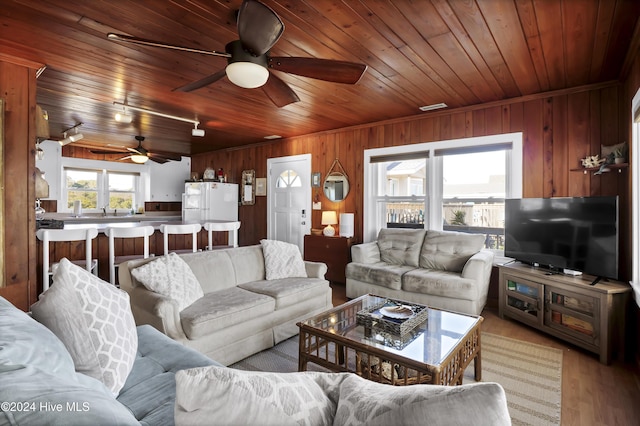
x: 282, y: 260
x: 94, y: 321
x: 172, y: 277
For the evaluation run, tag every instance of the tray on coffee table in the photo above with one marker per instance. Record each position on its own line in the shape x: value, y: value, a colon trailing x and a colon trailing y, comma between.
x: 392, y: 316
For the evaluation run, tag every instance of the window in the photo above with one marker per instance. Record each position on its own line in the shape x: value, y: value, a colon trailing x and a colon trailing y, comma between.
x: 458, y: 185
x: 288, y: 178
x: 98, y: 189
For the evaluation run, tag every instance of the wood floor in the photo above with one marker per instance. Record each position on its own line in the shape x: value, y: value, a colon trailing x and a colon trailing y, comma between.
x: 592, y: 393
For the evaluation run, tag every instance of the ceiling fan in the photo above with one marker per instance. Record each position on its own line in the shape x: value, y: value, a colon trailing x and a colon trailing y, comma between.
x: 249, y: 64
x: 140, y: 155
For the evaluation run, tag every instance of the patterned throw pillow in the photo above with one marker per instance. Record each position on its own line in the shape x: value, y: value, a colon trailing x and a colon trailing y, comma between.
x: 282, y: 260
x: 170, y: 276
x: 94, y: 321
x: 252, y: 398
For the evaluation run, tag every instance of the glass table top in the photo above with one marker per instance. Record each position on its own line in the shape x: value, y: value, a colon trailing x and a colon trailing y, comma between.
x: 430, y: 342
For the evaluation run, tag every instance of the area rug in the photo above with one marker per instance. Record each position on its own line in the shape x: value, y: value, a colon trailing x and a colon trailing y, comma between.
x: 530, y: 374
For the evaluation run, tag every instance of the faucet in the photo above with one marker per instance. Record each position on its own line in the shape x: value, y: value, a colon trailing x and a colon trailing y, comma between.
x: 104, y: 211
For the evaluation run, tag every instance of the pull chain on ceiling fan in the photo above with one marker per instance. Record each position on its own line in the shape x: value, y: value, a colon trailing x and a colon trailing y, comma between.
x: 249, y: 64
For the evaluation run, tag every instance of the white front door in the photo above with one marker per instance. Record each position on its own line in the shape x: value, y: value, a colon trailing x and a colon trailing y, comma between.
x: 289, y: 199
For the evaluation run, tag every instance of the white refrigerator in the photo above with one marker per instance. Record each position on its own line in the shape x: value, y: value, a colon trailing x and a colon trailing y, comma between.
x: 209, y: 201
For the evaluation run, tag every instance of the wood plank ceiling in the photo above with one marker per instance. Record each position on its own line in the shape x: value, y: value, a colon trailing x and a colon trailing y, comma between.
x: 422, y: 52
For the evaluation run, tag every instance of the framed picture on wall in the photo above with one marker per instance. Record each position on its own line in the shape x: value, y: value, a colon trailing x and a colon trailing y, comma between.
x: 261, y: 186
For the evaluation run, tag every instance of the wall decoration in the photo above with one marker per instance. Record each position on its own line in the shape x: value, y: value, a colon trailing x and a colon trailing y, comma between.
x: 248, y: 188
x: 261, y: 186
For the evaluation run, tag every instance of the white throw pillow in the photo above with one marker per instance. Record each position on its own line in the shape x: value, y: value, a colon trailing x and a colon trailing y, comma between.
x: 94, y: 321
x: 238, y: 397
x: 282, y: 260
x: 170, y: 276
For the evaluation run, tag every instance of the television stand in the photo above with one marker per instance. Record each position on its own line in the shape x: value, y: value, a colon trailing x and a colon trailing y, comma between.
x: 576, y: 309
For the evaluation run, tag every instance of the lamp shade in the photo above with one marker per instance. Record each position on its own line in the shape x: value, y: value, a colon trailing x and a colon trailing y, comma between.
x: 329, y: 218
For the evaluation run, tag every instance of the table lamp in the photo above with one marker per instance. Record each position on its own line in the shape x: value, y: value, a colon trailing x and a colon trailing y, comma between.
x: 329, y: 218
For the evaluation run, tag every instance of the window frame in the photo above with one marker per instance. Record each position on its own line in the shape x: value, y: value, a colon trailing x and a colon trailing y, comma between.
x: 434, y: 174
x: 103, y: 168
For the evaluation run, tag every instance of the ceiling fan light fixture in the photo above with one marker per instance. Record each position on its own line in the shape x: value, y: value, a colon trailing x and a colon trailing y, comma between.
x: 247, y: 75
x: 139, y: 158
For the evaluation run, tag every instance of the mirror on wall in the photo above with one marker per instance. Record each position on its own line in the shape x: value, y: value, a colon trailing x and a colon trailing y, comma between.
x: 336, y: 184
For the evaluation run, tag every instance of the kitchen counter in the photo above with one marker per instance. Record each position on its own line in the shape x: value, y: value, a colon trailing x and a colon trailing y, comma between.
x: 99, y: 218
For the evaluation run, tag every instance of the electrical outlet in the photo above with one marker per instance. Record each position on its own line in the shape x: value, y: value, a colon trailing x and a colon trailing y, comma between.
x: 317, y: 206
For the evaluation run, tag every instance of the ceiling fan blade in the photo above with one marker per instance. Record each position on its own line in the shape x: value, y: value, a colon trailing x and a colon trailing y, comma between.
x: 165, y: 156
x: 202, y: 82
x: 321, y: 69
x: 279, y: 92
x: 138, y: 151
x: 158, y: 160
x: 259, y: 28
x: 152, y: 43
x: 93, y: 151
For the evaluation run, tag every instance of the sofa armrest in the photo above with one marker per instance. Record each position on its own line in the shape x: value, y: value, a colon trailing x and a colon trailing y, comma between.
x: 157, y: 310
x: 478, y: 267
x: 315, y: 269
x: 365, y: 253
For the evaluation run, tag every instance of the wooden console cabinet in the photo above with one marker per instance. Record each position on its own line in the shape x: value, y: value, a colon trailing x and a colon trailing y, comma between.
x: 570, y: 308
x: 334, y: 251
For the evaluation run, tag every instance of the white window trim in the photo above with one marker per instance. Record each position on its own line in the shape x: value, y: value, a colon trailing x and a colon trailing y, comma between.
x: 635, y: 197
x: 434, y: 174
x: 143, y: 182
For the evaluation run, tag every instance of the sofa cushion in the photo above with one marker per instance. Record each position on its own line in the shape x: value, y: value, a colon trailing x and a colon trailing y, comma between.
x: 170, y: 276
x: 282, y: 260
x: 150, y: 390
x: 94, y: 321
x: 251, y: 398
x: 449, y: 251
x: 400, y: 246
x: 476, y: 403
x: 69, y: 402
x: 289, y: 291
x: 440, y: 283
x: 379, y: 273
x: 221, y: 309
x: 24, y: 341
x: 213, y: 269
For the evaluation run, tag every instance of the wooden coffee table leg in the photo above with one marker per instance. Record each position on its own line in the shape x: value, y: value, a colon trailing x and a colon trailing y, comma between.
x: 477, y: 367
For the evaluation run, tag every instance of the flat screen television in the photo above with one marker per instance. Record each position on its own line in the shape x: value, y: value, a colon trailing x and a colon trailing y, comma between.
x: 565, y: 233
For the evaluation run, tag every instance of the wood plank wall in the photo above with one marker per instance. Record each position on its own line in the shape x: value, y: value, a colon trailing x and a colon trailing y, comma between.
x: 559, y: 129
x: 18, y: 90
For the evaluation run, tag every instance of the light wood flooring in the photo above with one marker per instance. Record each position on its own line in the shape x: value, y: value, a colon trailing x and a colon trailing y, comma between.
x: 592, y: 393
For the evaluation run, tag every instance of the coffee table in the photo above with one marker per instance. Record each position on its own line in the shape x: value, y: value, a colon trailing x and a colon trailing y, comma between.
x: 437, y: 351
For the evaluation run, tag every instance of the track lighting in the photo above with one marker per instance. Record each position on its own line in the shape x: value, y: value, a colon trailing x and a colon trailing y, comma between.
x: 197, y: 132
x: 123, y: 117
x: 126, y: 107
x: 74, y: 137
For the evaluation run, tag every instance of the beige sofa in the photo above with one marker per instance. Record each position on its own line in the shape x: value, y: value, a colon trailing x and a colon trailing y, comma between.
x: 441, y: 269
x: 241, y: 312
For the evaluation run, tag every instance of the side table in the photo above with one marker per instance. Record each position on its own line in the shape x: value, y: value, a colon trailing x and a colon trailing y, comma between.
x: 334, y: 251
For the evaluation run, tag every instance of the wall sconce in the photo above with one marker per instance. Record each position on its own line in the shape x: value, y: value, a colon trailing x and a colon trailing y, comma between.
x: 329, y: 218
x: 39, y: 151
x: 74, y: 137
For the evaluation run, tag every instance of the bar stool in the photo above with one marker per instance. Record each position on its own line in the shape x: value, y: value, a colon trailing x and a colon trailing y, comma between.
x: 231, y: 227
x: 189, y: 228
x: 114, y: 232
x: 59, y: 235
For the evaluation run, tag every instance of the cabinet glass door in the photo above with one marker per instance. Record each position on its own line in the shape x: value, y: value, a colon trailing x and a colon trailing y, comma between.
x: 574, y: 314
x: 523, y: 299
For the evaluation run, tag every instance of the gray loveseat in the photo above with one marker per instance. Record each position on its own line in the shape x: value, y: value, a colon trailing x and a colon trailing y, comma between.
x: 39, y: 384
x: 441, y: 269
x: 241, y: 312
